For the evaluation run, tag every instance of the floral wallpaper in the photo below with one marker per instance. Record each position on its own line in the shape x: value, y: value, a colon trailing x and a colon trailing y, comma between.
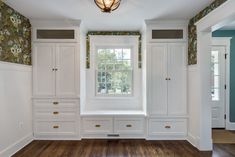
x: 112, y: 33
x: 15, y: 36
x: 192, y: 34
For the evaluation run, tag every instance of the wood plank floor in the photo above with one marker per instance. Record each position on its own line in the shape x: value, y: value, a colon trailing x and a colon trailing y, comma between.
x: 120, y: 148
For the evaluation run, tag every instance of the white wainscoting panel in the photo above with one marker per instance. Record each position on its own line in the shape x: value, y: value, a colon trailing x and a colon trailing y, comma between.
x: 15, y: 107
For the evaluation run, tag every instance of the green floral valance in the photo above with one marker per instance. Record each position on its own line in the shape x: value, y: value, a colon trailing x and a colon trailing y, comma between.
x: 15, y: 36
x: 118, y: 33
x: 192, y: 30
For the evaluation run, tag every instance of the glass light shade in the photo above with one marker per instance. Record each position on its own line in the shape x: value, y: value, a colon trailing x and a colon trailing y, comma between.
x: 107, y: 5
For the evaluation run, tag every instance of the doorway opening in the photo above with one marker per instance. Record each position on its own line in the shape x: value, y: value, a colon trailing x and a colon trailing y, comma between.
x: 220, y: 88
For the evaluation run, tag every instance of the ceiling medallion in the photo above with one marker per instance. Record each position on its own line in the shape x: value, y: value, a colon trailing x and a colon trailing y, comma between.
x: 107, y: 5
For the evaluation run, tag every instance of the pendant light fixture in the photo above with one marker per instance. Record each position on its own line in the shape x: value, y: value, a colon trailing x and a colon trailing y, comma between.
x: 107, y: 5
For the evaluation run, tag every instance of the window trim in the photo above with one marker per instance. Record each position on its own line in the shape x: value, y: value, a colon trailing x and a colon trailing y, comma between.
x: 110, y: 103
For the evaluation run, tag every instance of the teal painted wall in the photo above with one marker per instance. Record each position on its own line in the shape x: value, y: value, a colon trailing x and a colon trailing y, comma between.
x: 230, y: 33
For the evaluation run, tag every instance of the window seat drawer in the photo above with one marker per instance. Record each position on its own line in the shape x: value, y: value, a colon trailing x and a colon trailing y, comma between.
x: 129, y: 126
x: 97, y: 125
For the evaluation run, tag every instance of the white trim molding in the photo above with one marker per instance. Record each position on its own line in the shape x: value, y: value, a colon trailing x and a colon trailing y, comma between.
x: 12, y: 149
x: 15, y: 67
x: 118, y: 104
x: 213, y: 21
x: 225, y: 41
x: 193, y: 140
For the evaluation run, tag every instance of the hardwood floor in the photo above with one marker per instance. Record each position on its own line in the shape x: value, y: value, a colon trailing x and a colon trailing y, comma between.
x: 120, y: 148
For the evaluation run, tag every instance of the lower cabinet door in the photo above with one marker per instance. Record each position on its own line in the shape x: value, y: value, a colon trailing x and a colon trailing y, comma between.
x: 97, y: 126
x: 167, y: 127
x: 55, y: 128
x: 129, y: 126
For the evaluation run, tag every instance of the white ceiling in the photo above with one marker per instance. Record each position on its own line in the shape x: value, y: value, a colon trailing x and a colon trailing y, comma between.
x: 129, y: 16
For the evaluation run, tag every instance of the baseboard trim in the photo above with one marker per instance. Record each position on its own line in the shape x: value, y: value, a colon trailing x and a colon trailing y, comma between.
x: 193, y: 140
x: 12, y: 149
x: 230, y: 126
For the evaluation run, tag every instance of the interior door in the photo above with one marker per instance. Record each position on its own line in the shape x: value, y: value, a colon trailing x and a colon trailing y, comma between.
x: 67, y: 69
x: 218, y: 73
x: 43, y: 64
x: 177, y: 79
x: 157, y: 83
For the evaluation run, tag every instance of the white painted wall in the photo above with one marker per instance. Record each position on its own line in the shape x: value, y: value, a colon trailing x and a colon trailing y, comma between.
x: 193, y: 102
x: 15, y: 107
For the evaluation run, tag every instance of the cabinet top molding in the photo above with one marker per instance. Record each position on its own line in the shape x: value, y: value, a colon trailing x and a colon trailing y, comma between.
x: 55, y: 23
x: 166, y: 22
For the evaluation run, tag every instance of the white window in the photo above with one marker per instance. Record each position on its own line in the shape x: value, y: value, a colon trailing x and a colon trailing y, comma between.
x: 114, y: 71
x: 215, y: 78
x: 113, y: 81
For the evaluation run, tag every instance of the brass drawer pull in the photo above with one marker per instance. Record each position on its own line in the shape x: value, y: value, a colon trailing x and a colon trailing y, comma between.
x: 129, y: 126
x: 56, y: 127
x: 55, y: 103
x: 55, y: 113
x: 167, y: 127
x: 97, y: 126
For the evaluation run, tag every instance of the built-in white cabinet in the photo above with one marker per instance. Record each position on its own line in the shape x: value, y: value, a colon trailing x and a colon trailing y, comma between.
x: 56, y: 118
x: 56, y: 80
x: 166, y: 79
x: 55, y: 69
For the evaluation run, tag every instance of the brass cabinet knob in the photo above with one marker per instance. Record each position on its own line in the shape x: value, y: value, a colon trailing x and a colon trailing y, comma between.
x: 55, y: 126
x: 55, y: 113
x: 129, y: 126
x: 55, y: 103
x: 97, y: 126
x: 167, y: 127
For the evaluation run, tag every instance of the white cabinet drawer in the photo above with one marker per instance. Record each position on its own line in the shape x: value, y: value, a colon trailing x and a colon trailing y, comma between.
x: 47, y: 105
x: 55, y: 115
x: 97, y: 125
x: 129, y: 126
x: 55, y: 128
x: 168, y: 127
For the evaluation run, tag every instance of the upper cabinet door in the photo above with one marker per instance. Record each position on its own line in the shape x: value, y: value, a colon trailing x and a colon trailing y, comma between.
x: 177, y: 79
x: 67, y: 73
x: 156, y: 79
x: 43, y: 74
